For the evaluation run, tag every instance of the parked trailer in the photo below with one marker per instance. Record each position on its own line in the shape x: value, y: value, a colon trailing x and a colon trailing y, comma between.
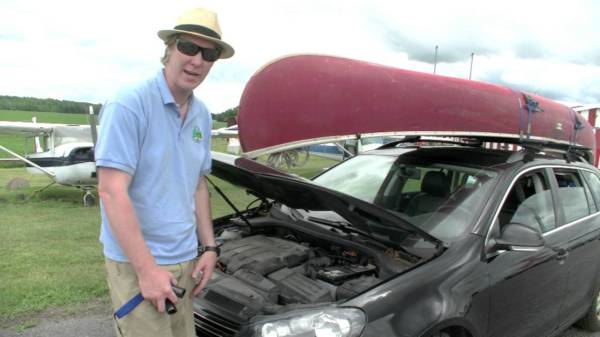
x: 590, y: 113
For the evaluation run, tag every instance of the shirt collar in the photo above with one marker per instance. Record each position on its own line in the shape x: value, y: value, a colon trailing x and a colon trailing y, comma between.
x: 167, y: 97
x: 163, y: 88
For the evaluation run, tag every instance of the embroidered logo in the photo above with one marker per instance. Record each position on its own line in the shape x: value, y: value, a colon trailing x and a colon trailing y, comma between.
x: 197, y: 134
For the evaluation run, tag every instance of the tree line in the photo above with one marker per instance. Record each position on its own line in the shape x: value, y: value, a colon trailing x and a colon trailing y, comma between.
x: 226, y: 115
x: 45, y: 105
x: 65, y: 106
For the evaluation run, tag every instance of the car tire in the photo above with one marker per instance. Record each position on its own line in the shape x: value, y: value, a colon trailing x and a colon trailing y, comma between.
x: 591, y: 320
x: 440, y: 334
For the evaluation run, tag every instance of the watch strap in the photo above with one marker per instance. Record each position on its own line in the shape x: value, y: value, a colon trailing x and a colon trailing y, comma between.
x: 203, y: 249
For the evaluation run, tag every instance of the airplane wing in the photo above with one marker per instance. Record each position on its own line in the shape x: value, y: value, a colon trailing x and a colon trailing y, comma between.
x: 36, y: 129
x: 27, y: 128
x: 63, y: 133
x: 230, y: 131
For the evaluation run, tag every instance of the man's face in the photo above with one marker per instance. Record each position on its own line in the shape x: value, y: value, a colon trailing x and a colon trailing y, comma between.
x: 184, y: 73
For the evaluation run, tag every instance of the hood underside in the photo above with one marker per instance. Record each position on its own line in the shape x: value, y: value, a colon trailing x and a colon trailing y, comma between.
x: 300, y: 193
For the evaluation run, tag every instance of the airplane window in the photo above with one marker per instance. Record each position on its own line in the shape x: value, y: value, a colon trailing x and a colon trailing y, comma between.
x: 82, y: 154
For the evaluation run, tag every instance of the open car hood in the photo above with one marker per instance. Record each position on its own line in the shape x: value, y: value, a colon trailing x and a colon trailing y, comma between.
x: 300, y: 193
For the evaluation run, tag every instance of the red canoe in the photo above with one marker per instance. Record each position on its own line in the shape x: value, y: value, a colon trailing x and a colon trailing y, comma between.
x: 306, y: 99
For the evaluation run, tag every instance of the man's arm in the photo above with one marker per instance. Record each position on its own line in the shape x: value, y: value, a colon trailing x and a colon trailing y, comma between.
x: 206, y: 263
x: 155, y: 283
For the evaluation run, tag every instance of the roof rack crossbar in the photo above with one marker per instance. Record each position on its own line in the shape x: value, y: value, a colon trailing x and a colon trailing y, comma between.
x: 465, y: 141
x: 570, y: 152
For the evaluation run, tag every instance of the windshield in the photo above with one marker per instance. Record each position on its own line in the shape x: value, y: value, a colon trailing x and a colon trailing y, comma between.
x: 440, y: 198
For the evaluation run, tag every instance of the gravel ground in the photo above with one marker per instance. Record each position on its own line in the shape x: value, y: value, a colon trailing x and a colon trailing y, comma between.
x: 90, y: 326
x: 94, y: 320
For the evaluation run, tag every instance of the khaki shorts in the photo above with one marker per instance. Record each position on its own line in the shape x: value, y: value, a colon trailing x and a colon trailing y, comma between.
x: 145, y: 320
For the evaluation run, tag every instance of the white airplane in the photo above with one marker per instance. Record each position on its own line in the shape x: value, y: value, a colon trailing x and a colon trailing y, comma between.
x: 231, y: 133
x: 63, y: 152
x: 348, y: 148
x: 338, y: 151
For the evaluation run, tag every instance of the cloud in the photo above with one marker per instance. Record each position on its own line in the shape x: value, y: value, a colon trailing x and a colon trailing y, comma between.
x: 550, y: 78
x: 85, y: 50
x: 533, y: 29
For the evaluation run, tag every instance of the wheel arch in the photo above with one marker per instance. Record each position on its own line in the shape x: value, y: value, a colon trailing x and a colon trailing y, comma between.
x: 454, y: 327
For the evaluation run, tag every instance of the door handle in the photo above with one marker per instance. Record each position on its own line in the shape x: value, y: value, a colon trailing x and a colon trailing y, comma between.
x: 561, y: 254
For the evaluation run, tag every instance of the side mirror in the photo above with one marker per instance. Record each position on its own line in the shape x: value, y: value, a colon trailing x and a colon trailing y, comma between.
x: 519, y: 237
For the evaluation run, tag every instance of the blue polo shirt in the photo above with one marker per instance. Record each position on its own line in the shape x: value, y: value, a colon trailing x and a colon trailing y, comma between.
x: 142, y: 134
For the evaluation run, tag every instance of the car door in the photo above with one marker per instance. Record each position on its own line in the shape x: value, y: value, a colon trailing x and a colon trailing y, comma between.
x: 526, y: 287
x: 579, y: 229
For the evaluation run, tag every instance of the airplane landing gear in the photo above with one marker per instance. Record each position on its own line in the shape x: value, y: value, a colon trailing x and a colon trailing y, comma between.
x: 42, y: 189
x: 88, y: 199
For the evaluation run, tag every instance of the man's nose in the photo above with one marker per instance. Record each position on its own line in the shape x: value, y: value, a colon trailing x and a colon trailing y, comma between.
x: 197, y: 59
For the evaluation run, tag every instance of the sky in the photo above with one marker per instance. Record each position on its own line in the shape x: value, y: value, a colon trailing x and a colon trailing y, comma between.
x: 85, y: 50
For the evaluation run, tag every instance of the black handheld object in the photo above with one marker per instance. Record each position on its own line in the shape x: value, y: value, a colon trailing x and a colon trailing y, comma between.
x: 169, y: 306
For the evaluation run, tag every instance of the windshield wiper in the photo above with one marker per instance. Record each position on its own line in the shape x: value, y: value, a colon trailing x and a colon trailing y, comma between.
x: 348, y: 229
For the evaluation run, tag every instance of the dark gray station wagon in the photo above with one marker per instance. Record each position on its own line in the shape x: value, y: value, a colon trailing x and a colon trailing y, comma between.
x: 410, y: 240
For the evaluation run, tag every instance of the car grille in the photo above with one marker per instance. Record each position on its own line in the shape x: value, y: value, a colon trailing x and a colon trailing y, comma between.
x: 212, y: 325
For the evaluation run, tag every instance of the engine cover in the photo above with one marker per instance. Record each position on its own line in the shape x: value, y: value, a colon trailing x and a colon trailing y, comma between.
x: 262, y: 254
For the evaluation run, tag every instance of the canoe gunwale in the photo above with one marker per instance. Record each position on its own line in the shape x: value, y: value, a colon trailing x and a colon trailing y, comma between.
x: 544, y: 142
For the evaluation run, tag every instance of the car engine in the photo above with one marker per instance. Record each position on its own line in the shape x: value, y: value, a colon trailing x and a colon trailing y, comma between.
x: 274, y: 271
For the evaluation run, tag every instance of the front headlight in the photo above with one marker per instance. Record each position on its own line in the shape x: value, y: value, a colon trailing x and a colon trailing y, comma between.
x: 322, y: 322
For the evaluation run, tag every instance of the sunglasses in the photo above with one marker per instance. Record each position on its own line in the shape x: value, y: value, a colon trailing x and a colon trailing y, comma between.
x: 191, y: 49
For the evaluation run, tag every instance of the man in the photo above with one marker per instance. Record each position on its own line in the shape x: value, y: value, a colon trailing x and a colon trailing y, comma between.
x: 152, y: 154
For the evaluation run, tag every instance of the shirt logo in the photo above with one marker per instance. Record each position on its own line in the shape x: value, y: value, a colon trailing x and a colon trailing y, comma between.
x: 197, y: 134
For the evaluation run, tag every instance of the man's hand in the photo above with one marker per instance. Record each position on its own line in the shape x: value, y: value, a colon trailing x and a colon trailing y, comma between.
x: 203, y: 270
x: 155, y: 285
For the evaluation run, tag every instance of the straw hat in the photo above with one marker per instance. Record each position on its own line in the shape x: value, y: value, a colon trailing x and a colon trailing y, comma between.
x: 202, y: 23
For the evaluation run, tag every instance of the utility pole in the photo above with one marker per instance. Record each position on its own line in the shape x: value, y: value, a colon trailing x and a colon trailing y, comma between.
x: 435, y: 59
x: 471, y: 68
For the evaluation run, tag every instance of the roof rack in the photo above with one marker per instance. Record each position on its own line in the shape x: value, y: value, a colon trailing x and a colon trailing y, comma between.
x: 530, y: 147
x: 474, y: 142
x: 570, y: 152
x: 529, y: 151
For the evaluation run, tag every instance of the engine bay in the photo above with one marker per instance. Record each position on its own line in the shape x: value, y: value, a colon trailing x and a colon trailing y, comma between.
x: 276, y: 266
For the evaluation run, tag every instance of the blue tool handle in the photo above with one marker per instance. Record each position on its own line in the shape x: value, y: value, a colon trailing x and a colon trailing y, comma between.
x: 130, y: 305
x: 137, y: 299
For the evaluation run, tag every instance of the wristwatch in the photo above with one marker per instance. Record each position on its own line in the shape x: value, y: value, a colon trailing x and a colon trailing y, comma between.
x: 202, y: 249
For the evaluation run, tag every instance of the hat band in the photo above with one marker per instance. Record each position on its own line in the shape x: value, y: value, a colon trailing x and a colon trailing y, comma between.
x: 199, y: 29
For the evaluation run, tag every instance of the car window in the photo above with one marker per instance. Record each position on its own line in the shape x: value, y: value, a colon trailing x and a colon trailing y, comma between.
x: 439, y: 198
x: 594, y: 183
x: 572, y: 194
x: 530, y: 203
x: 360, y: 177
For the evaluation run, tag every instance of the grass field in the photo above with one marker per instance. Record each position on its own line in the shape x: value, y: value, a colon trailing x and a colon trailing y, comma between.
x: 49, y: 250
x: 50, y: 254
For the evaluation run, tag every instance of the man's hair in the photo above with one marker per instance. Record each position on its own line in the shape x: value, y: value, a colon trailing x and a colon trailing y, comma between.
x: 168, y: 44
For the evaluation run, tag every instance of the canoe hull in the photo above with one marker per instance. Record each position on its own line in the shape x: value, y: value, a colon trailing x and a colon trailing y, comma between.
x: 306, y: 99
